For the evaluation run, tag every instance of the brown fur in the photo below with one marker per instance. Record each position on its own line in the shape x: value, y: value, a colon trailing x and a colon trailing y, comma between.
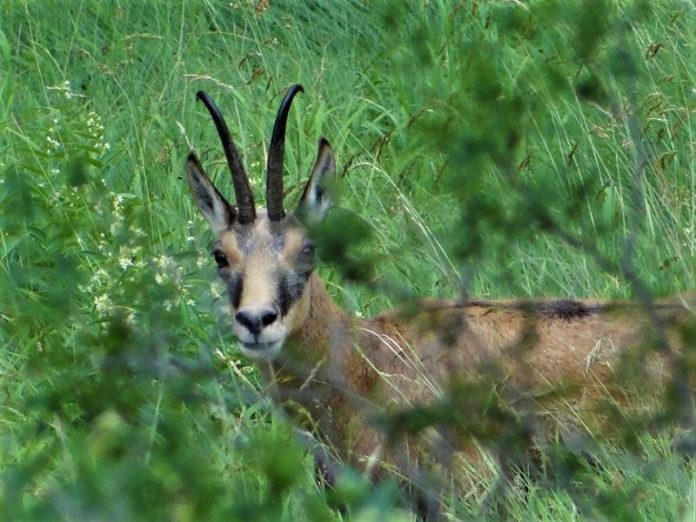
x: 340, y: 371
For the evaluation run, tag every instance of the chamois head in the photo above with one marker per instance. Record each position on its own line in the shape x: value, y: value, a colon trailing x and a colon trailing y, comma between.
x: 265, y: 257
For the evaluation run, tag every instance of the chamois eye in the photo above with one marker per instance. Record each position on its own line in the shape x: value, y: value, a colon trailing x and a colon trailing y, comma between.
x: 308, y: 250
x: 220, y: 259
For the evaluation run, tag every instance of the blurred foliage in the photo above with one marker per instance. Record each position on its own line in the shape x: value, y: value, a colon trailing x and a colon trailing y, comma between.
x: 499, y: 148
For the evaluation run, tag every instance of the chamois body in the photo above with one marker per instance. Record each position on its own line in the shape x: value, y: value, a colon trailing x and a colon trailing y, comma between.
x: 338, y: 374
x: 343, y: 370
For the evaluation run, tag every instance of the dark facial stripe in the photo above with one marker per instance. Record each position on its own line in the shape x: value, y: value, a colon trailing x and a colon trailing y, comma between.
x: 290, y: 288
x: 234, y: 290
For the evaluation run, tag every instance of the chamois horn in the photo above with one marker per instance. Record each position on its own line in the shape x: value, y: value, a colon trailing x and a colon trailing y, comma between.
x: 276, y: 152
x: 242, y: 189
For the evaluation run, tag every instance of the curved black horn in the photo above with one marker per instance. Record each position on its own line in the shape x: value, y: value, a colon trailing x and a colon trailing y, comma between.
x: 242, y: 189
x: 276, y: 152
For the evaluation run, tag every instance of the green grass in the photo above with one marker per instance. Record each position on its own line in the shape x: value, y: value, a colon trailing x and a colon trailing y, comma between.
x: 499, y: 148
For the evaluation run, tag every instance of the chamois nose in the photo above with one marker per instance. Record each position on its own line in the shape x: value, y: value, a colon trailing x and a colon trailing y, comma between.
x: 255, y: 321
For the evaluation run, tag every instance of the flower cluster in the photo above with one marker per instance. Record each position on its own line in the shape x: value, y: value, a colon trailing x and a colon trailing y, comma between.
x: 96, y: 130
x: 52, y: 139
x: 68, y: 124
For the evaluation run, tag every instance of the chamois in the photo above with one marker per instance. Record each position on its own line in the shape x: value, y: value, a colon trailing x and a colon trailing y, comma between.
x: 341, y: 374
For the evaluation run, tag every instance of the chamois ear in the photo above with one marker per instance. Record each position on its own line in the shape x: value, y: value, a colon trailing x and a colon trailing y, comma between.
x: 214, y: 207
x: 320, y: 192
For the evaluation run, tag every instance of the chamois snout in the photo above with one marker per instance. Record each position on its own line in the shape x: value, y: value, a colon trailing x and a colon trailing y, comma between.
x: 260, y: 331
x: 256, y: 321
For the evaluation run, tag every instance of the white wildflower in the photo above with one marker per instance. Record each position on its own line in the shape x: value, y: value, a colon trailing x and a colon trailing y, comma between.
x: 55, y: 198
x: 163, y: 262
x: 53, y: 144
x: 124, y: 262
x: 99, y: 277
x: 102, y: 304
x: 67, y: 90
x: 118, y: 202
x: 215, y: 290
x: 177, y: 276
x: 116, y: 226
x: 125, y: 256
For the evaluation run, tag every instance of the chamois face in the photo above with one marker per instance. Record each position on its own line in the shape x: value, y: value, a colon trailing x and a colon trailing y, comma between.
x: 265, y: 266
x: 265, y: 258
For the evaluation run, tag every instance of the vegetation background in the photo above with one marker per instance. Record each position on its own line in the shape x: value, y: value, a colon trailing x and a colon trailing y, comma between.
x: 495, y: 148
